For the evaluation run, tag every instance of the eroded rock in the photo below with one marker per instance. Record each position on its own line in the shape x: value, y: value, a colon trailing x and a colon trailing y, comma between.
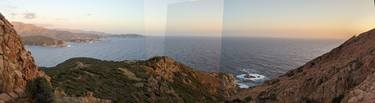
x: 16, y: 63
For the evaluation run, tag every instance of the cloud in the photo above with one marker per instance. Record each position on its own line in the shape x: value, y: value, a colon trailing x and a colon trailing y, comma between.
x: 61, y: 19
x: 12, y: 7
x: 89, y: 14
x: 26, y: 15
x: 13, y: 15
x: 29, y: 15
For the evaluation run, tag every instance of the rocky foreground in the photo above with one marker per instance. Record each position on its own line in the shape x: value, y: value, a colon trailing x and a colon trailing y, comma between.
x: 157, y: 80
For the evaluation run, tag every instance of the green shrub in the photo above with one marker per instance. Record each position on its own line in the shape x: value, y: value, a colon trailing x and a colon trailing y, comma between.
x: 40, y: 90
x: 338, y: 99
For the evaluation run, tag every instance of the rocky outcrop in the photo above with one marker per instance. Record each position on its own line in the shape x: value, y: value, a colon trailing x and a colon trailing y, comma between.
x: 165, y: 68
x: 16, y: 64
x: 157, y: 80
x: 344, y: 75
x: 212, y: 85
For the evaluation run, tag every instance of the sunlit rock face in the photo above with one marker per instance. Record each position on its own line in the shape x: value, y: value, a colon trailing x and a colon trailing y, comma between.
x: 16, y: 64
x: 344, y: 75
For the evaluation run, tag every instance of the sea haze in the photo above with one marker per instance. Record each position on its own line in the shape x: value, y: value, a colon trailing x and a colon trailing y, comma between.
x: 261, y: 58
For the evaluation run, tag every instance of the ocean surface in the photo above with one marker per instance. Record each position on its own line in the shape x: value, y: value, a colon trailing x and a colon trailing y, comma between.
x: 252, y: 60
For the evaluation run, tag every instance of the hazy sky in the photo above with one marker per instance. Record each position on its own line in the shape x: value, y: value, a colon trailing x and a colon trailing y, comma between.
x: 298, y: 18
x: 198, y: 18
x: 260, y: 18
x: 115, y: 16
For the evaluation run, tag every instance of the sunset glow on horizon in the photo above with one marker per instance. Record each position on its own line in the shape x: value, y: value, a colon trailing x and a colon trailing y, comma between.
x: 337, y: 19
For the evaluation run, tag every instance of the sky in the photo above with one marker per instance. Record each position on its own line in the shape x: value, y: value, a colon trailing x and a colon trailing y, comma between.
x: 219, y: 18
x: 197, y: 18
x: 298, y: 18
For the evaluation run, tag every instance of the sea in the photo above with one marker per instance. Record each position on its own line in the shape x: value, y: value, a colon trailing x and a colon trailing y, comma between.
x: 251, y: 60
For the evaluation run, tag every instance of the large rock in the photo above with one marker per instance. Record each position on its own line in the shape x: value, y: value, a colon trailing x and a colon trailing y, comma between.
x: 16, y: 64
x: 346, y: 75
x: 215, y: 83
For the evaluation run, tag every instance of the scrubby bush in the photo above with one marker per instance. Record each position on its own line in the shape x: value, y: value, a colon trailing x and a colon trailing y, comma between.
x: 40, y: 90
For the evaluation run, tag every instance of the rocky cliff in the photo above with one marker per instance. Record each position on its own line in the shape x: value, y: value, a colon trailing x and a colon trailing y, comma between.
x: 344, y: 75
x: 16, y: 64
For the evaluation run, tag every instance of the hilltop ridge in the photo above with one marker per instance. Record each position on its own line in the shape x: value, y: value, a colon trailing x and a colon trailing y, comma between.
x: 159, y: 79
x: 344, y: 75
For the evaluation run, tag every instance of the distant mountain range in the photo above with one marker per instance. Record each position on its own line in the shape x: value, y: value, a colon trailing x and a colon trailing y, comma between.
x: 41, y: 36
x: 24, y: 29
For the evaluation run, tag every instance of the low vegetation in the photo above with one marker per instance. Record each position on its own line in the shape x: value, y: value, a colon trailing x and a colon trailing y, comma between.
x: 134, y: 81
x: 40, y: 90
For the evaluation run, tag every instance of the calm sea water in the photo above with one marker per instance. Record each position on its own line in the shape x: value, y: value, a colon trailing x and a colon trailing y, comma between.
x: 263, y: 58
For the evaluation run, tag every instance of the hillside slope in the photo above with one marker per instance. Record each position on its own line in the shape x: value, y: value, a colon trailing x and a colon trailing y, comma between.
x: 157, y: 80
x: 344, y: 75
